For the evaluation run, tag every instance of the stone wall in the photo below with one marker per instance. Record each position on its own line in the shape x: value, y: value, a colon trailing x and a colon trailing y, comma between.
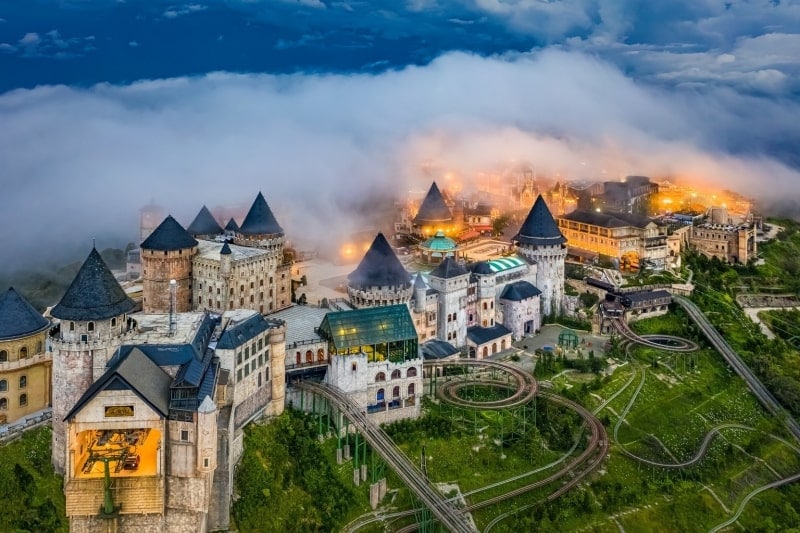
x: 158, y: 268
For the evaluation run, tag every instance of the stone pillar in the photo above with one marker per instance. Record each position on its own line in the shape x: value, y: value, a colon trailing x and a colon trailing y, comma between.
x: 374, y: 495
x: 382, y: 488
x: 356, y: 477
x: 346, y: 452
x: 363, y: 472
x: 338, y: 456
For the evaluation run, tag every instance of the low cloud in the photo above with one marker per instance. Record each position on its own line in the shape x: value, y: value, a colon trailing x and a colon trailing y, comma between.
x: 317, y: 145
x: 186, y: 9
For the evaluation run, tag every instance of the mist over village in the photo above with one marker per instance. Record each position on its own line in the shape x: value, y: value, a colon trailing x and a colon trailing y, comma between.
x: 342, y: 266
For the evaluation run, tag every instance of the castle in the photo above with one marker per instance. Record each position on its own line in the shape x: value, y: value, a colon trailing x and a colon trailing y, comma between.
x: 157, y: 400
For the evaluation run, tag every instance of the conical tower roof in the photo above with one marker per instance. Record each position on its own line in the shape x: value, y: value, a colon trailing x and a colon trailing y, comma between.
x: 168, y: 236
x: 225, y: 250
x: 419, y: 283
x: 18, y: 318
x: 449, y: 268
x: 433, y: 208
x: 231, y: 225
x: 379, y: 267
x: 260, y: 220
x: 540, y: 228
x: 94, y: 294
x: 204, y: 224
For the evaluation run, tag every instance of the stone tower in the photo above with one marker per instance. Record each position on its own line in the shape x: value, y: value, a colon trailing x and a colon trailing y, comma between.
x: 204, y: 226
x: 484, y: 305
x: 380, y: 279
x: 451, y: 281
x: 167, y: 255
x: 93, y: 314
x: 540, y: 240
x: 420, y: 293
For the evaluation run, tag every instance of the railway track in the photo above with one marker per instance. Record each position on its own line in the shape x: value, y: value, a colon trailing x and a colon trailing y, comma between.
x: 526, y: 385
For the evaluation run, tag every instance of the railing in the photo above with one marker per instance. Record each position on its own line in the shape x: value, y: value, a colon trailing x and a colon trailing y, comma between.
x: 14, y: 431
x: 25, y: 362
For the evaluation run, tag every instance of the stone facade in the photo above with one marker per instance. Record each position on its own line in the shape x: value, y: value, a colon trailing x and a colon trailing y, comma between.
x: 549, y: 274
x: 729, y: 244
x: 522, y: 317
x: 158, y: 269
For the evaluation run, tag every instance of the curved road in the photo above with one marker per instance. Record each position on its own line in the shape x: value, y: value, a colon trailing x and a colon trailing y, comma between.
x: 721, y: 345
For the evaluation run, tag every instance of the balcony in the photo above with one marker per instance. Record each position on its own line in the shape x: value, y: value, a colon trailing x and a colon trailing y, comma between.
x: 26, y: 362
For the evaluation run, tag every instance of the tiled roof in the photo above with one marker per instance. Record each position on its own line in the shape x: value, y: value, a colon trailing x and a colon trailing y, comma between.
x: 608, y: 219
x: 260, y: 220
x: 519, y: 290
x: 379, y: 267
x: 18, y: 318
x: 433, y: 208
x: 438, y: 349
x: 232, y: 225
x: 449, y: 268
x: 480, y: 335
x: 204, y: 224
x: 539, y: 228
x: 168, y: 236
x: 94, y: 294
x: 238, y: 334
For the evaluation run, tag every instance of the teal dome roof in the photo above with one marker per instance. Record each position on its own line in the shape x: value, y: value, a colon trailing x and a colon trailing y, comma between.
x: 440, y: 243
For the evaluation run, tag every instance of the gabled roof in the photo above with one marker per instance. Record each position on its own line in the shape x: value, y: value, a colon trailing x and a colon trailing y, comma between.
x: 204, y: 224
x: 94, y: 294
x: 449, y: 268
x: 374, y: 325
x: 231, y: 225
x: 168, y: 236
x: 519, y: 290
x: 438, y: 349
x: 18, y: 318
x: 260, y: 220
x: 135, y: 372
x: 379, y: 267
x: 238, y: 334
x: 480, y: 335
x: 539, y: 228
x: 433, y: 208
x: 609, y: 219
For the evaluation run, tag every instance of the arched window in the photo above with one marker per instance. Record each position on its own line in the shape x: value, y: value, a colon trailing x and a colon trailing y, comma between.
x: 395, y: 374
x: 23, y: 352
x: 379, y: 395
x: 23, y: 382
x: 259, y: 379
x: 113, y: 322
x: 3, y: 356
x: 309, y: 356
x: 90, y: 326
x: 298, y: 358
x: 39, y: 347
x: 411, y: 390
x: 412, y: 373
x: 503, y: 344
x: 3, y: 385
x: 486, y: 351
x: 3, y: 404
x: 380, y: 376
x: 491, y: 304
x: 72, y: 326
x: 494, y: 347
x: 396, y: 392
x: 484, y: 306
x: 23, y: 400
x: 320, y: 355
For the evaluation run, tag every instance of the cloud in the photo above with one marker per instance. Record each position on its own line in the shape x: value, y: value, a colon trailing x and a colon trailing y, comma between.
x: 179, y: 11
x: 133, y: 44
x: 318, y: 144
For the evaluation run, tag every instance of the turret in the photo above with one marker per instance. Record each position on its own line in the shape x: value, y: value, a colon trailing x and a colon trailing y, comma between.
x: 167, y: 255
x: 380, y: 278
x: 420, y: 294
x: 540, y: 240
x: 94, y: 319
x: 451, y: 281
x: 485, y: 278
x: 433, y: 214
x: 204, y: 226
x: 260, y: 229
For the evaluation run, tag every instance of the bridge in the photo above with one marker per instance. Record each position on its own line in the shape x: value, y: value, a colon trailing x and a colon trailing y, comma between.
x: 452, y: 518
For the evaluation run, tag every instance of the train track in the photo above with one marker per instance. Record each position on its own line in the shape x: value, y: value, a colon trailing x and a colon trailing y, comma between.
x: 450, y: 517
x: 526, y: 385
x: 721, y: 345
x: 683, y: 345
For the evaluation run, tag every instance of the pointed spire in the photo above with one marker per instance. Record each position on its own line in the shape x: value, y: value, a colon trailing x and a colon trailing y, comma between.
x: 226, y: 250
x: 260, y: 220
x: 17, y: 317
x: 433, y: 208
x: 540, y: 228
x: 379, y: 267
x: 204, y: 224
x: 419, y: 283
x: 94, y: 294
x: 232, y: 225
x: 169, y: 235
x: 449, y: 268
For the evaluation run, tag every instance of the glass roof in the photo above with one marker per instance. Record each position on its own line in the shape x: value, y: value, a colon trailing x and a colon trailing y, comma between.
x: 362, y: 327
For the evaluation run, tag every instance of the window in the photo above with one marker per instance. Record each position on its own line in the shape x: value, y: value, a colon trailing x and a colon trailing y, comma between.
x: 259, y: 380
x: 113, y: 322
x: 395, y: 374
x: 320, y: 355
x: 3, y: 385
x: 23, y: 400
x: 3, y: 356
x: 379, y: 395
x: 239, y: 375
x: 353, y: 367
x: 411, y: 390
x: 206, y: 462
x: 396, y: 392
x: 3, y: 404
x: 309, y: 356
x: 239, y: 358
x: 412, y: 373
x: 246, y: 370
x: 23, y: 382
x: 23, y: 352
x: 266, y: 374
x: 247, y: 353
x: 185, y: 435
x: 90, y: 326
x: 260, y: 344
x: 380, y: 376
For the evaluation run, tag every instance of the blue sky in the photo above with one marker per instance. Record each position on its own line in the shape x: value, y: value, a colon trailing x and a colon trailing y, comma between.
x: 194, y: 103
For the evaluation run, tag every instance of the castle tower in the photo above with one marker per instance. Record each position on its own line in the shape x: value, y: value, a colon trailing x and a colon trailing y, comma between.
x: 485, y: 278
x: 451, y: 281
x: 204, y: 225
x: 540, y: 240
x: 380, y: 279
x: 93, y: 314
x: 167, y: 255
x: 231, y: 228
x: 420, y: 294
x: 433, y: 214
x: 260, y: 229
